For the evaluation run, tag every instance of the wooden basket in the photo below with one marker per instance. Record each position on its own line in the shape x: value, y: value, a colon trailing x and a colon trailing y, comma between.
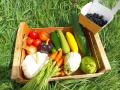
x: 94, y: 42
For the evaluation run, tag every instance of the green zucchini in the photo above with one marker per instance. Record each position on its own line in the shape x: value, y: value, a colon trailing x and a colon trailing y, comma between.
x: 79, y: 34
x: 56, y: 40
x: 64, y: 43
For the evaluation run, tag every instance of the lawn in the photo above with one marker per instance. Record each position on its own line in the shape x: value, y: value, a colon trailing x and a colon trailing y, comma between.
x: 45, y: 13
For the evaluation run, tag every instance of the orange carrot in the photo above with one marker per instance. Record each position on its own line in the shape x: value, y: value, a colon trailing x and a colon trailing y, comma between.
x: 58, y: 56
x: 54, y: 55
x: 60, y: 62
x: 62, y: 73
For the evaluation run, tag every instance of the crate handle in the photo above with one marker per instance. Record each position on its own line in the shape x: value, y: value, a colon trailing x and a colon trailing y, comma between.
x: 95, y: 1
x: 114, y: 9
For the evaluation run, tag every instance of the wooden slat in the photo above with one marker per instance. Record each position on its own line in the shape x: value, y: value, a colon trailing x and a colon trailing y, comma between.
x: 91, y: 26
x: 77, y: 76
x: 17, y: 52
x: 102, y: 53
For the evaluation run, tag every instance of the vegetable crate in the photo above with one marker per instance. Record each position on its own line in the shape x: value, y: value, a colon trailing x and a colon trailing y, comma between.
x: 94, y: 43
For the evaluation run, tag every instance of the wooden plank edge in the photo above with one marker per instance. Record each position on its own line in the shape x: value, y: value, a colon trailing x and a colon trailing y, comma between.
x: 17, y: 53
x: 77, y: 76
x: 103, y: 54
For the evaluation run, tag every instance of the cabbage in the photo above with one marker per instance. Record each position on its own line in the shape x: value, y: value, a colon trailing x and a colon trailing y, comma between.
x: 30, y: 67
x: 72, y: 62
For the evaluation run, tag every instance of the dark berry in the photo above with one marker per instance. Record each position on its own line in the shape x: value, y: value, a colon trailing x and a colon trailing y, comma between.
x: 101, y: 23
x: 105, y: 21
x: 96, y: 18
x: 95, y: 15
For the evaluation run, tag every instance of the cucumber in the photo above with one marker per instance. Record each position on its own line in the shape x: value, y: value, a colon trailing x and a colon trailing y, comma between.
x: 64, y: 43
x: 56, y: 40
x: 79, y: 34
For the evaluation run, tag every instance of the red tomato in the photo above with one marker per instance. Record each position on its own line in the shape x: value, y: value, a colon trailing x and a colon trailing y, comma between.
x: 33, y: 35
x: 44, y: 36
x: 37, y: 42
x: 29, y: 41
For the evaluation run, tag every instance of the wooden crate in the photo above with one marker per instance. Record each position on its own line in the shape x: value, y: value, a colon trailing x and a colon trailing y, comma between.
x: 94, y: 42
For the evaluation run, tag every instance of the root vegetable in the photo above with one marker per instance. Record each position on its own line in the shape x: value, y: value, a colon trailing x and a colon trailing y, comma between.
x: 30, y: 49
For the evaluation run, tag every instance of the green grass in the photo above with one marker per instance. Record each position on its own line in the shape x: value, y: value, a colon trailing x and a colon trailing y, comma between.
x: 45, y: 13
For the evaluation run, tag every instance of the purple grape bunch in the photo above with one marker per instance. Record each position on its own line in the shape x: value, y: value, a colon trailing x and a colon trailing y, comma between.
x: 45, y: 48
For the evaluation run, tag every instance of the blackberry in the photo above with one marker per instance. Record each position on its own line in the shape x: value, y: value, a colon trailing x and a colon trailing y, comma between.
x: 95, y: 15
x: 96, y: 18
x: 105, y: 21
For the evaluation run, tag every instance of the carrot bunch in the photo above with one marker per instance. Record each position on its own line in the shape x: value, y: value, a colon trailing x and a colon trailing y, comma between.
x: 59, y: 59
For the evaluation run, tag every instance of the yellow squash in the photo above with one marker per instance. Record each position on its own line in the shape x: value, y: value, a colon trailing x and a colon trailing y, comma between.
x: 72, y: 42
